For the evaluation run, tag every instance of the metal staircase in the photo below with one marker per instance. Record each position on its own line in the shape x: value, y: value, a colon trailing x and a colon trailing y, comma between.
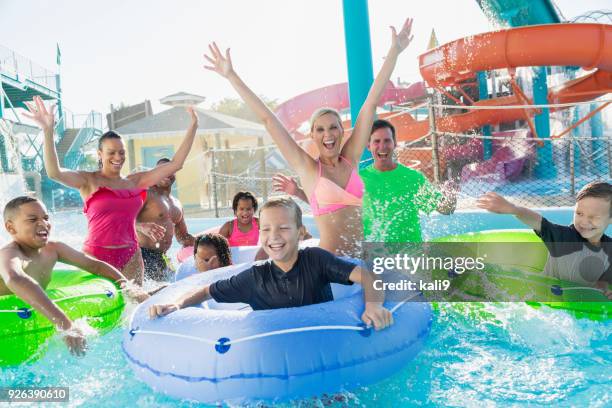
x: 71, y: 148
x: 20, y: 80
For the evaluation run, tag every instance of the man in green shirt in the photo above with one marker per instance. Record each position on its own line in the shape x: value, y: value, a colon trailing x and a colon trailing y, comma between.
x: 394, y: 194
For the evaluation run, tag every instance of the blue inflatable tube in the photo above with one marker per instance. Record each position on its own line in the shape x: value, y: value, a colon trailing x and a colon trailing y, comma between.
x: 227, y: 352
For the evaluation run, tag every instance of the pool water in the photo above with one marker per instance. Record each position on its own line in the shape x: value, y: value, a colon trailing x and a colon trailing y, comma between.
x: 539, y: 357
x: 530, y: 356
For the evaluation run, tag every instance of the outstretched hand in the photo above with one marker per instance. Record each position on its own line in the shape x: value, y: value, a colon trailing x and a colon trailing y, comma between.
x: 134, y: 291
x: 152, y: 230
x: 495, y: 203
x: 75, y: 341
x: 160, y: 310
x: 39, y: 113
x: 193, y: 114
x: 605, y: 289
x: 222, y: 65
x: 401, y: 40
x: 285, y: 184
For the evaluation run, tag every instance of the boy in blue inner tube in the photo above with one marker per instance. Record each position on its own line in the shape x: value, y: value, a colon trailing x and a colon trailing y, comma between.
x: 291, y: 277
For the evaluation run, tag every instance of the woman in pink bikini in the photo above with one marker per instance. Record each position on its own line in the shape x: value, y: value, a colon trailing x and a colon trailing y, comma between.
x: 331, y: 183
x: 112, y: 201
x: 244, y: 229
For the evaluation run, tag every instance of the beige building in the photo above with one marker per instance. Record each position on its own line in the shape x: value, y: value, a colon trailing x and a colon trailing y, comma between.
x: 159, y: 135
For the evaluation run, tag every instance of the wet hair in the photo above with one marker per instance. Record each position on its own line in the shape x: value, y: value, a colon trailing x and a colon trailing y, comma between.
x: 162, y: 160
x: 11, y: 208
x: 323, y: 111
x: 597, y: 189
x: 108, y: 135
x: 243, y: 195
x: 381, y: 124
x: 217, y: 241
x: 286, y: 203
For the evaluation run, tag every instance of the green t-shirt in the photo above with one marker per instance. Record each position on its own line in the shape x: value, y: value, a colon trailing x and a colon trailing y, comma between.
x: 392, y: 202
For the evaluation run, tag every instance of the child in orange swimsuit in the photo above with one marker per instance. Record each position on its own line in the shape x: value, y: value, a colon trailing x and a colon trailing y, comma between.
x: 244, y: 229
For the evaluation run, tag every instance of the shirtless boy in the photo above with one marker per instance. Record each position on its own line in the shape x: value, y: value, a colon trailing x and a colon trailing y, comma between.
x: 26, y: 265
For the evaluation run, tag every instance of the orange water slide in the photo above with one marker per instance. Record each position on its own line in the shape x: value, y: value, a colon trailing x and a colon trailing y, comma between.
x: 585, y: 45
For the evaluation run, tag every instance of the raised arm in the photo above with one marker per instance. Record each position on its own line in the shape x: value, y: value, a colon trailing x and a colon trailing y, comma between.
x: 374, y: 314
x: 46, y: 121
x: 297, y: 158
x: 151, y: 177
x: 288, y: 185
x: 27, y: 289
x: 354, y: 147
x: 495, y: 203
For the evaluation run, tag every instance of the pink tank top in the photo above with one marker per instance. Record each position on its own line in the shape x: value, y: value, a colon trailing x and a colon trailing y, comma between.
x: 239, y: 238
x: 111, y: 216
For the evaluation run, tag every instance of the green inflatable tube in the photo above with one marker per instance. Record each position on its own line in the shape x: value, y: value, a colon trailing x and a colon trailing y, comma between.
x: 516, y: 270
x: 23, y: 335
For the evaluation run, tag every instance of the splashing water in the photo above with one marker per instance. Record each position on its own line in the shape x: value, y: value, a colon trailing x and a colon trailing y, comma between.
x: 476, y: 355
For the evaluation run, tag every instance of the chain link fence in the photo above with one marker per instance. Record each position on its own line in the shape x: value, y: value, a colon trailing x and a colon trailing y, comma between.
x: 527, y: 169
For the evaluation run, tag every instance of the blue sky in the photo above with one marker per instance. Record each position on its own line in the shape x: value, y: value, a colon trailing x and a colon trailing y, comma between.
x: 126, y: 51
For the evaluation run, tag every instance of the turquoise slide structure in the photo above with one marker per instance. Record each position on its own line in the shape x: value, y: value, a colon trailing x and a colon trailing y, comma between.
x: 358, y: 57
x: 513, y: 13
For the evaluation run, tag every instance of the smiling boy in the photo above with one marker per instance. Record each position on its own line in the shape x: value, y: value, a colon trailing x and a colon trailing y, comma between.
x: 26, y: 265
x: 580, y: 253
x: 291, y: 277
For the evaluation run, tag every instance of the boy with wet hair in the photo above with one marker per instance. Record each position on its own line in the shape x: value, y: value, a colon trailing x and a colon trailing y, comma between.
x: 26, y: 265
x: 581, y: 252
x: 291, y: 277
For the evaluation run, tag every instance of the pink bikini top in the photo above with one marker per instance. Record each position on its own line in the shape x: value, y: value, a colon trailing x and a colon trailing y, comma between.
x: 111, y: 216
x: 239, y: 238
x: 328, y: 197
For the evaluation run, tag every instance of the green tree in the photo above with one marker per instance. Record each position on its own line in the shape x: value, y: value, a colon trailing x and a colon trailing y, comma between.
x: 236, y: 107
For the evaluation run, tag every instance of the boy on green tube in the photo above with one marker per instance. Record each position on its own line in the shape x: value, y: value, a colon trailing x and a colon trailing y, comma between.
x: 26, y: 265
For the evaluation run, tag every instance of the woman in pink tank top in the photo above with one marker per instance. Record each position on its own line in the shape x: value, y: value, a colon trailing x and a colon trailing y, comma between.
x: 112, y: 201
x: 331, y: 182
x: 244, y: 229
